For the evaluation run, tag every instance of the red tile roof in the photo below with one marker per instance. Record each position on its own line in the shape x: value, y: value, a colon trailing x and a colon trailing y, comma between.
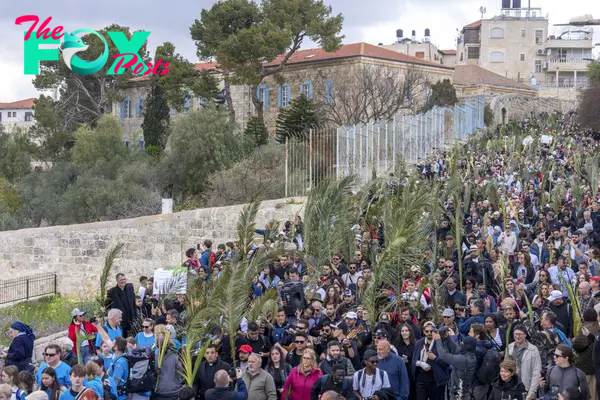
x: 353, y: 50
x: 470, y: 75
x: 27, y: 103
x: 475, y: 24
x: 448, y: 52
x: 204, y: 66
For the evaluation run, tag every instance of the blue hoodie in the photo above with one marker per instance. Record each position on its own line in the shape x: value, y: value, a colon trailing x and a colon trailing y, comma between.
x: 396, y: 370
x: 465, y: 326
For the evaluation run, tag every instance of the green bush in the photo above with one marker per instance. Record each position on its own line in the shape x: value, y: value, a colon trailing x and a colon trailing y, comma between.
x: 488, y: 115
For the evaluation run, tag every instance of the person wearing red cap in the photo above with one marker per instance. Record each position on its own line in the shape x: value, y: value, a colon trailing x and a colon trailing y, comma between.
x: 243, y: 354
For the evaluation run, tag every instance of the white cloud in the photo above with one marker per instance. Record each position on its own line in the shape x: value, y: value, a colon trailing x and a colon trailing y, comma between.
x: 372, y: 21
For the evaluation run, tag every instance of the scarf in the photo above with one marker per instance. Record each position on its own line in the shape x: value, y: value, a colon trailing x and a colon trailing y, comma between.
x: 21, y: 327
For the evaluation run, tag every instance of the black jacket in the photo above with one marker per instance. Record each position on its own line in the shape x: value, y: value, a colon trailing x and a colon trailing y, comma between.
x: 227, y: 393
x: 205, y: 376
x: 123, y: 300
x: 564, y: 315
x: 502, y: 390
x: 325, y: 383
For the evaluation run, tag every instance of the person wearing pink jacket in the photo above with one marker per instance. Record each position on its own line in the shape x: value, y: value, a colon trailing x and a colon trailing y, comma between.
x: 302, y: 378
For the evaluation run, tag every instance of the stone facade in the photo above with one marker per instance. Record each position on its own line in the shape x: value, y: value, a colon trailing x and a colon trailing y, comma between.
x: 76, y: 252
x: 518, y: 107
x: 301, y: 69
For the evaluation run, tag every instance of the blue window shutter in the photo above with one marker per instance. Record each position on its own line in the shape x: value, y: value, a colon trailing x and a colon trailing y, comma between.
x: 123, y: 109
x: 142, y: 105
x: 329, y: 91
x: 289, y: 95
x: 266, y: 97
x: 137, y: 108
x: 258, y: 90
x: 279, y: 97
x: 310, y: 89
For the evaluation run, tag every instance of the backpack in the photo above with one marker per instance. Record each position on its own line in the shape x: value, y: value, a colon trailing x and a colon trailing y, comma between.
x: 490, y: 366
x: 142, y: 375
x: 278, y: 333
x: 107, y: 390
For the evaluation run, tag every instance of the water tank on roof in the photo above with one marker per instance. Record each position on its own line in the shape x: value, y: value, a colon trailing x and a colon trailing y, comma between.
x: 399, y: 34
x: 414, y: 36
x: 427, y: 32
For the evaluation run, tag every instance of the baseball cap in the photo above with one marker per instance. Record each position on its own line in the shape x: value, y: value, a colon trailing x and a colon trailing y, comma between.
x: 448, y: 312
x: 245, y: 348
x: 473, y: 247
x: 496, y: 213
x: 556, y: 294
x: 385, y: 317
x: 415, y: 268
x: 77, y: 312
x: 347, y: 292
x: 351, y: 315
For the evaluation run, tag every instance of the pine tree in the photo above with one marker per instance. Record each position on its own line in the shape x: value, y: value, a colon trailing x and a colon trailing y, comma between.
x: 443, y: 94
x: 156, y: 117
x: 293, y: 121
x: 257, y: 130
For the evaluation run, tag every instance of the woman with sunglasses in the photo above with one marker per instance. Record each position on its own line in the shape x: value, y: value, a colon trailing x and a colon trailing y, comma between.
x: 145, y: 339
x: 302, y: 378
x: 563, y: 376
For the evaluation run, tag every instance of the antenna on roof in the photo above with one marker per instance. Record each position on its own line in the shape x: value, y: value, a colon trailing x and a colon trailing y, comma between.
x: 482, y: 10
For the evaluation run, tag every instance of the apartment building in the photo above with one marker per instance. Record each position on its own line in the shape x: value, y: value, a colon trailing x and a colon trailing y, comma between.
x: 517, y: 44
x: 423, y: 49
x: 17, y: 114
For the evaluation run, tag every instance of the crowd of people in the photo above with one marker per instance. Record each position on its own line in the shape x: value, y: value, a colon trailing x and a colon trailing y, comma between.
x: 504, y: 306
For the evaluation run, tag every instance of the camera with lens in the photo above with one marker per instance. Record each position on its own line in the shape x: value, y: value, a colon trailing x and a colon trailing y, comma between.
x: 443, y: 331
x: 232, y: 373
x: 554, y: 392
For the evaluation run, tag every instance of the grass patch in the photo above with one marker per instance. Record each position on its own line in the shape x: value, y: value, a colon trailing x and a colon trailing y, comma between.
x: 46, y: 316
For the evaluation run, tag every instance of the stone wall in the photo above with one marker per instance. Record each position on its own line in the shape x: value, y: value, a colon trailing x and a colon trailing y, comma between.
x: 519, y: 107
x: 76, y: 252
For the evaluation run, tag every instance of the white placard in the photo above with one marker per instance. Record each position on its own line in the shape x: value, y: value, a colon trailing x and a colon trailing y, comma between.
x: 546, y: 139
x: 170, y: 281
x: 167, y: 206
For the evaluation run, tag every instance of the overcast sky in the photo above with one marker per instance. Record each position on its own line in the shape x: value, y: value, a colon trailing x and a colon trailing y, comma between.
x: 373, y: 21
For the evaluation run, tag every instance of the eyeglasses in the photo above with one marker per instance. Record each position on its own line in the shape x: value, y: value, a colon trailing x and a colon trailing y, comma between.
x: 300, y: 341
x: 146, y: 326
x: 301, y: 328
x: 335, y: 258
x: 50, y: 354
x: 559, y: 355
x: 373, y: 361
x: 428, y: 332
x: 446, y: 317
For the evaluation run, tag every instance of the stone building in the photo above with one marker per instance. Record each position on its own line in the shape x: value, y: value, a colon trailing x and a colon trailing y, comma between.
x: 17, y: 114
x: 472, y: 80
x: 312, y: 72
x: 423, y: 49
x: 517, y: 44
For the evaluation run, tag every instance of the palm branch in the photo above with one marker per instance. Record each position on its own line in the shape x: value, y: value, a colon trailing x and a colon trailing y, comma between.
x: 246, y: 227
x: 592, y: 169
x: 109, y: 261
x: 264, y: 305
x: 186, y: 357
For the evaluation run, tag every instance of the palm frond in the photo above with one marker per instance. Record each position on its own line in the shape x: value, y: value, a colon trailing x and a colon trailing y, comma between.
x: 264, y: 305
x: 186, y: 357
x: 109, y: 262
x: 246, y: 227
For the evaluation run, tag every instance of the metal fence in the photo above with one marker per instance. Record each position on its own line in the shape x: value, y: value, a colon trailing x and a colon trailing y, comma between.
x: 25, y: 288
x: 375, y: 147
x: 309, y: 158
x: 363, y: 149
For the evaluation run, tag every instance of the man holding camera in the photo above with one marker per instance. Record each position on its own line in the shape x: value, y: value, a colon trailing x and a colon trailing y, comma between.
x: 223, y: 390
x: 429, y: 371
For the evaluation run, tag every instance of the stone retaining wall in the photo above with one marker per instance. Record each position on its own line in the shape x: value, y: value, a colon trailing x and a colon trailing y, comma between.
x: 519, y: 107
x: 76, y: 252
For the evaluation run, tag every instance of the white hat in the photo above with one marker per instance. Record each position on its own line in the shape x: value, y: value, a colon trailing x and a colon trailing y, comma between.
x: 77, y: 312
x: 351, y: 315
x: 448, y: 312
x: 556, y: 294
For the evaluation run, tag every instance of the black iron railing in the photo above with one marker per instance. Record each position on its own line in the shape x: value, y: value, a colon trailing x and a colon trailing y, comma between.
x: 26, y: 288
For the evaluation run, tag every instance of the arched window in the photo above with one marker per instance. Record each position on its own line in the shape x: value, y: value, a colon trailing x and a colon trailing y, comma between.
x: 497, y: 33
x: 329, y: 91
x: 307, y: 89
x: 262, y: 92
x: 284, y: 98
x: 126, y: 108
x: 496, y: 57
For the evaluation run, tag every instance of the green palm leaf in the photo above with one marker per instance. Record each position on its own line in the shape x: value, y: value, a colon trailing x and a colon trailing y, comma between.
x: 109, y: 262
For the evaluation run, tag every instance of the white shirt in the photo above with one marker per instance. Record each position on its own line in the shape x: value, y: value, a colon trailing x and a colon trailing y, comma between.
x: 370, y: 386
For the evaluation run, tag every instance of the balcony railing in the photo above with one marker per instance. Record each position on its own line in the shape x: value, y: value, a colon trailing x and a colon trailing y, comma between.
x: 561, y: 60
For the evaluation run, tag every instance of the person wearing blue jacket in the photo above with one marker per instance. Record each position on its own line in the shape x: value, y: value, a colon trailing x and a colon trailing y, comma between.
x: 20, y: 351
x: 395, y: 368
x: 430, y: 372
x: 477, y: 317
